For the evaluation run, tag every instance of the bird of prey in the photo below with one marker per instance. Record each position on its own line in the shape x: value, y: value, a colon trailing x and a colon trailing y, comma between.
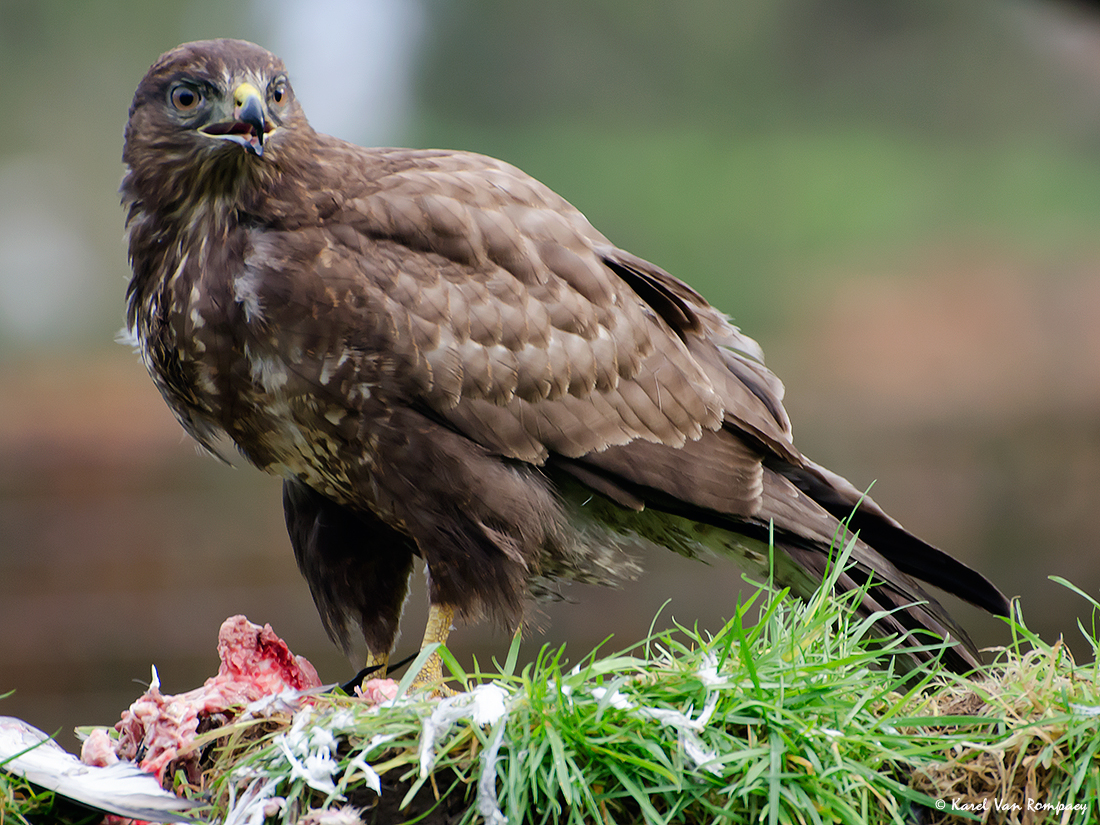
x: 442, y: 358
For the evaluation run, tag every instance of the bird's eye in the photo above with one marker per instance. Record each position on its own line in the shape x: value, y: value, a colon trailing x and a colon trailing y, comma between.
x: 279, y: 94
x: 185, y: 98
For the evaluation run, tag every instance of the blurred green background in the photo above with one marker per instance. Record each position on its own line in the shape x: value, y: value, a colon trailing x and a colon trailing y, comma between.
x: 898, y: 198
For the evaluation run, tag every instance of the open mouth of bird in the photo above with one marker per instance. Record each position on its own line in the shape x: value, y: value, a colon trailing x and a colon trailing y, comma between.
x: 246, y: 134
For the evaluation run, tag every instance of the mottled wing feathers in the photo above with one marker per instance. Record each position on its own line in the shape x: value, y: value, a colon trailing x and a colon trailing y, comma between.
x: 524, y: 329
x: 521, y: 327
x: 501, y: 314
x: 733, y: 363
x: 543, y: 340
x: 717, y: 477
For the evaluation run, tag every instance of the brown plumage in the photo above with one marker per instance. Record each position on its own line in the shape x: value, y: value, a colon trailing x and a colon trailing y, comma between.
x: 442, y: 358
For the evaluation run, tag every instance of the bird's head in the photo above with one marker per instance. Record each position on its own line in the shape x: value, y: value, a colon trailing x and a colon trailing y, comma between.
x: 214, y: 108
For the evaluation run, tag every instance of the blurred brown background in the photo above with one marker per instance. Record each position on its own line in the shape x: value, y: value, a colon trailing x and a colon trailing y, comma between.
x: 898, y: 198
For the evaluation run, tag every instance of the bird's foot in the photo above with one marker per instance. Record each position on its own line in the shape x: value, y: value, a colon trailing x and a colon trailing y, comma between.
x: 440, y: 619
x: 377, y: 663
x: 430, y: 678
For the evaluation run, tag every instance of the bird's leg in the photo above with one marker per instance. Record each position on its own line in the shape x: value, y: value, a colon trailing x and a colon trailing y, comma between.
x: 440, y: 619
x: 378, y: 660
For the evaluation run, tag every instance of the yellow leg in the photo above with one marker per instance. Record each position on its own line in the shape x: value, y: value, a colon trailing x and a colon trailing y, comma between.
x: 379, y: 660
x: 440, y: 619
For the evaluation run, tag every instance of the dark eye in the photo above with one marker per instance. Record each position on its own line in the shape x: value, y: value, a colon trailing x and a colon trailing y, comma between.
x: 185, y: 98
x: 278, y: 94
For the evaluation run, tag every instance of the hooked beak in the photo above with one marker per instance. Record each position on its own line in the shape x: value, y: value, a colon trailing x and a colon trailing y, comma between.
x: 249, y: 126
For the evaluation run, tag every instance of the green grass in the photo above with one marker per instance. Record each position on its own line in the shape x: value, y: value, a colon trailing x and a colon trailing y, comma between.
x: 788, y: 714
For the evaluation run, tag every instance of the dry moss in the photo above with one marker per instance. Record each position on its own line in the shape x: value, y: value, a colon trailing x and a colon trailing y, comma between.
x: 1027, y: 763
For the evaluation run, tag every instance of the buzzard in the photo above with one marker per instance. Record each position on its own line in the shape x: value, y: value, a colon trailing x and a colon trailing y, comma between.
x: 442, y: 358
